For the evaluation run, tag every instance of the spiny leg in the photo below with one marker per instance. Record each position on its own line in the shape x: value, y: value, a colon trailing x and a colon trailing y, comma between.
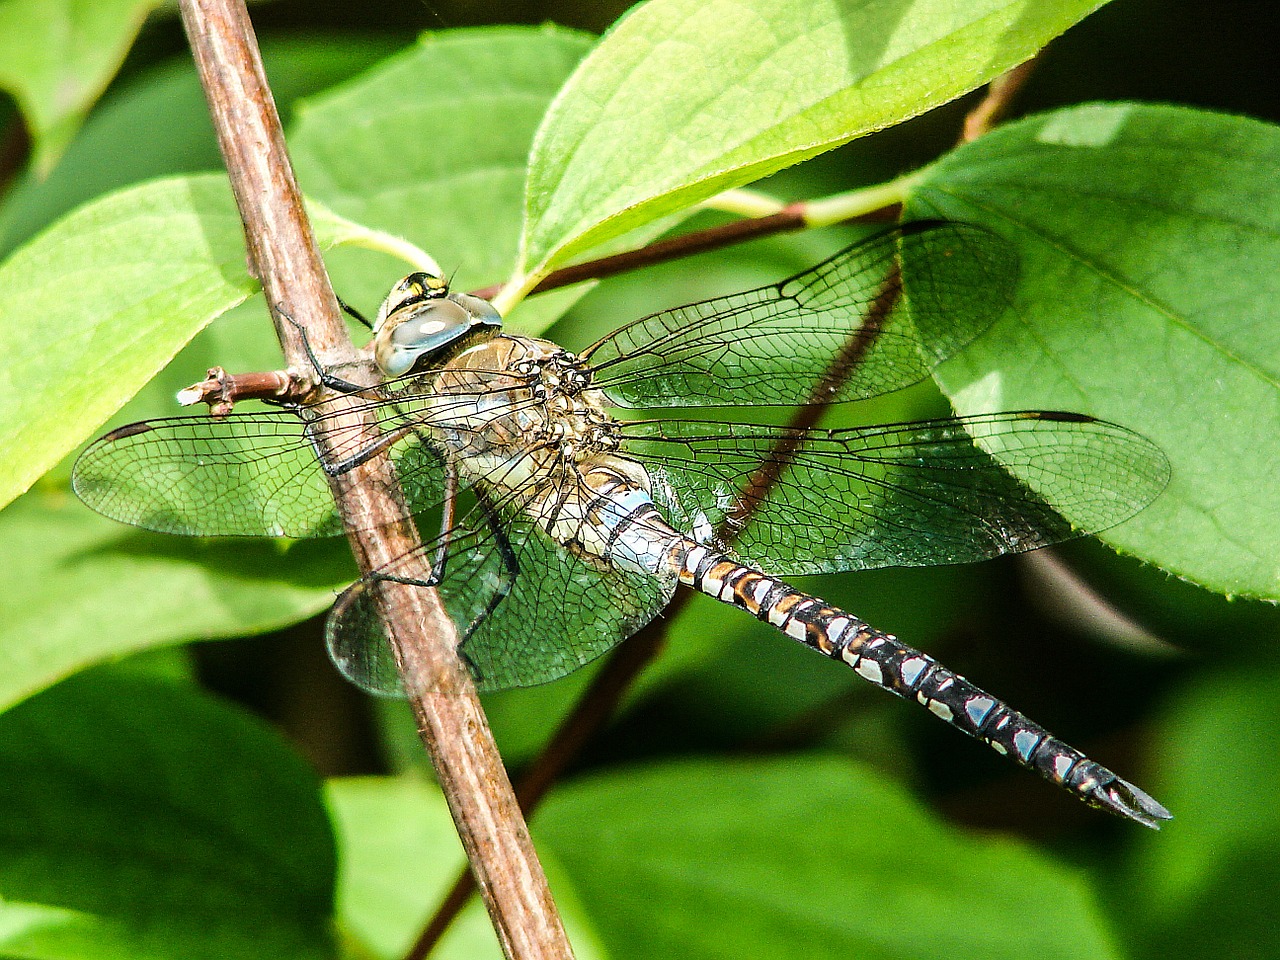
x: 384, y: 441
x: 355, y: 632
x: 355, y: 314
x: 510, y: 566
x: 336, y: 384
x: 440, y: 548
x: 361, y: 456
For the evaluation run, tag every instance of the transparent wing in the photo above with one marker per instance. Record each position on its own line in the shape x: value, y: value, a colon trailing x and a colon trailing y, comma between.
x: 874, y: 318
x: 909, y: 494
x: 528, y: 611
x: 246, y: 475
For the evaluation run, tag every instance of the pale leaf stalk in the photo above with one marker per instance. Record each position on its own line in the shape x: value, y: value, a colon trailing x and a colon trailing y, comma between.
x: 744, y: 203
x: 349, y: 233
x: 839, y: 207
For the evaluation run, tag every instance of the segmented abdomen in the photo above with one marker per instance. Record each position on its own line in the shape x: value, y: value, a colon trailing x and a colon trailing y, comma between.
x: 617, y: 519
x: 909, y: 673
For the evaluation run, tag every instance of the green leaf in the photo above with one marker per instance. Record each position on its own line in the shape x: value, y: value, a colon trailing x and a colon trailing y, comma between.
x: 686, y: 98
x: 77, y: 589
x: 433, y: 145
x: 1208, y: 886
x: 400, y: 855
x: 99, y: 302
x: 57, y: 56
x: 104, y: 155
x: 143, y: 820
x: 803, y: 857
x: 1148, y: 239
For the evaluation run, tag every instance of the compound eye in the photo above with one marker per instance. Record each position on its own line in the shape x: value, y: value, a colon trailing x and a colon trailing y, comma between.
x: 425, y: 327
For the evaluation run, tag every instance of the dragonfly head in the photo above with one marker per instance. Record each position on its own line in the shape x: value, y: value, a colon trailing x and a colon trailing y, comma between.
x: 420, y: 317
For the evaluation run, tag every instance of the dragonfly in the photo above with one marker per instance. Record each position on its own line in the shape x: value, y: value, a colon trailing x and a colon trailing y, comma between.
x: 566, y: 525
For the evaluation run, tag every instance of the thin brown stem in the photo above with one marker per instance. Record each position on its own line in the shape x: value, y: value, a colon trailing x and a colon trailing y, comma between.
x: 222, y: 390
x: 284, y: 256
x: 997, y: 102
x: 792, y: 217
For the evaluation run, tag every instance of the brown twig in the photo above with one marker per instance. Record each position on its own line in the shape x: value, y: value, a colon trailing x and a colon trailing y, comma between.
x: 283, y: 254
x: 789, y: 218
x: 222, y: 390
x: 997, y: 102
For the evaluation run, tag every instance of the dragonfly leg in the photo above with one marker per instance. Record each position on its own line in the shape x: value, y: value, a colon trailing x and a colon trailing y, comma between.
x: 336, y: 384
x: 440, y: 547
x: 447, y: 510
x: 361, y: 456
x: 355, y: 314
x: 510, y: 566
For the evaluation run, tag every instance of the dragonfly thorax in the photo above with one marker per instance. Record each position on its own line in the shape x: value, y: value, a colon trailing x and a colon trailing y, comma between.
x: 515, y: 410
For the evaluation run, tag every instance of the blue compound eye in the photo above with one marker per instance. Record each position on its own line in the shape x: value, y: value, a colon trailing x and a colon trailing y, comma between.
x: 419, y: 317
x: 421, y: 329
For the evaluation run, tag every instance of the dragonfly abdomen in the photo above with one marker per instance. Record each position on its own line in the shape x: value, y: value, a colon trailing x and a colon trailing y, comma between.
x: 883, y: 660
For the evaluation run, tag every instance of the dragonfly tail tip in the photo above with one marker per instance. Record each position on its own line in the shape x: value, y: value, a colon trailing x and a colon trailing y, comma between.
x: 1134, y: 803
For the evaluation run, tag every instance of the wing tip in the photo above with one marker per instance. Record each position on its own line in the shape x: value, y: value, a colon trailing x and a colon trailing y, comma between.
x: 128, y: 430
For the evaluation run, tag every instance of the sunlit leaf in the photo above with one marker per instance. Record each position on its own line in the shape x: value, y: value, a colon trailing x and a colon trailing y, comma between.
x: 399, y: 855
x: 77, y: 589
x: 433, y: 145
x: 805, y: 857
x: 686, y: 98
x: 56, y: 56
x: 1148, y: 239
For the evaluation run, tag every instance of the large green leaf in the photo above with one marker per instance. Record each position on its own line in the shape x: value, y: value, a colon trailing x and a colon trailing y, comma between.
x: 56, y: 56
x: 1149, y: 238
x: 105, y: 156
x: 432, y: 146
x: 686, y: 98
x: 99, y: 302
x: 804, y: 857
x: 143, y: 820
x: 77, y: 589
x: 400, y: 854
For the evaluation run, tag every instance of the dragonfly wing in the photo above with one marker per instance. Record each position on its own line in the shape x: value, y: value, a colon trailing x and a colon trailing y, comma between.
x: 563, y: 611
x: 527, y: 610
x: 912, y: 494
x: 245, y: 475
x: 874, y: 318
